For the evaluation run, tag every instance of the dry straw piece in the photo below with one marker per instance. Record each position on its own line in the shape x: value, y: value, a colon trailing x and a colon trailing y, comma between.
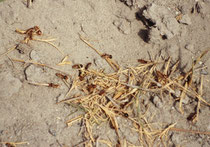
x: 13, y: 144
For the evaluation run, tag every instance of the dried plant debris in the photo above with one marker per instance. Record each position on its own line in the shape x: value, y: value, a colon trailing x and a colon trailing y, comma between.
x: 105, y: 56
x: 52, y: 85
x: 13, y: 144
x: 64, y: 61
x: 103, y: 97
x: 30, y: 33
x: 62, y: 76
x: 35, y: 31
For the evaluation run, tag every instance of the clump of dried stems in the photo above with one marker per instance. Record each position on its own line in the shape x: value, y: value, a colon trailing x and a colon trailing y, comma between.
x: 105, y: 96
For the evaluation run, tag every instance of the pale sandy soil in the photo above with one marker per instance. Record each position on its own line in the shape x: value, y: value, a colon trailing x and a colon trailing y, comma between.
x: 30, y: 114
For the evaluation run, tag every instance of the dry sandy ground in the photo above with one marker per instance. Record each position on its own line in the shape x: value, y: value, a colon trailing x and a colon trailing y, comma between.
x: 128, y: 30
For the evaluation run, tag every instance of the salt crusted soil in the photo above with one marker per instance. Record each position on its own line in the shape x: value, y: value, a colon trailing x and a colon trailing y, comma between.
x: 126, y: 29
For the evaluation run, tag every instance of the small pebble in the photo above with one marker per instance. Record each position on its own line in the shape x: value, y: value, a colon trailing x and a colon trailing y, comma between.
x: 185, y: 20
x: 34, y: 56
x: 177, y: 93
x: 157, y: 101
x: 204, y: 72
x: 189, y: 47
x: 175, y: 138
x: 124, y: 27
x: 185, y: 100
x: 185, y: 9
x: 52, y: 132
